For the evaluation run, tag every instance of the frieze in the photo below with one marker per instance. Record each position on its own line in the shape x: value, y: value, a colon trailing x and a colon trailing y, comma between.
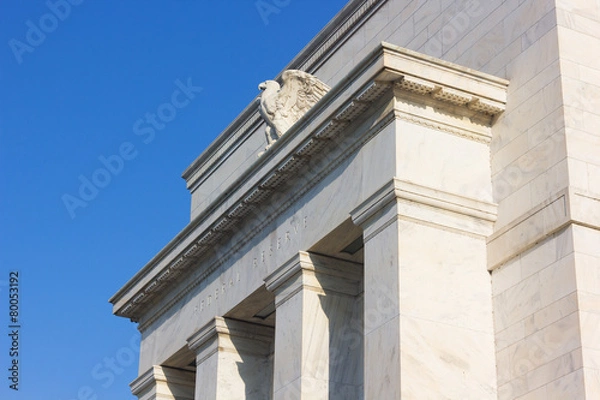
x: 211, y: 298
x: 281, y: 242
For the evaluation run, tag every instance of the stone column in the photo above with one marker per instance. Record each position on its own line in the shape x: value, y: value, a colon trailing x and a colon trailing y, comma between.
x: 428, y: 322
x: 164, y: 383
x: 318, y: 332
x: 232, y: 360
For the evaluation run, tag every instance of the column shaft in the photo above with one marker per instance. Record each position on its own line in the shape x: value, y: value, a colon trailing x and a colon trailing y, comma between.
x: 428, y: 321
x: 232, y: 360
x: 318, y: 338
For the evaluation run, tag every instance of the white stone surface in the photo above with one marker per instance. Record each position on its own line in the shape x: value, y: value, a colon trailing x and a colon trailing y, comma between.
x: 412, y: 295
x: 421, y: 170
x: 232, y: 360
x: 163, y: 383
x: 318, y: 348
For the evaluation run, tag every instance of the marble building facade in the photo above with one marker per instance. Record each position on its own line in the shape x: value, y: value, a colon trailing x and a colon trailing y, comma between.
x: 429, y: 228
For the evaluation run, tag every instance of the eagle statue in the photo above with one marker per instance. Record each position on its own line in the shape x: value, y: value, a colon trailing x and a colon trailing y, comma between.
x: 282, y: 106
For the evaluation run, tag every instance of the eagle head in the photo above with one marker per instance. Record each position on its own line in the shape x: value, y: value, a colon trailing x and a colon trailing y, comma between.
x: 269, y: 85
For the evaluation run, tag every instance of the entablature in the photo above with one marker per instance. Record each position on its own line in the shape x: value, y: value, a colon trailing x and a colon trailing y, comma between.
x: 386, y: 77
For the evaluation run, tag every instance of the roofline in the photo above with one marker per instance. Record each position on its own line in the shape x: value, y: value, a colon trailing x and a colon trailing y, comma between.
x: 314, y: 54
x: 319, y: 44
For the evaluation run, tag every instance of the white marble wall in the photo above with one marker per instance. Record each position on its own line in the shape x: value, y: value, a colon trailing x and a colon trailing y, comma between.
x: 543, y: 171
x: 579, y: 41
x: 586, y: 243
x: 538, y: 337
x: 545, y: 142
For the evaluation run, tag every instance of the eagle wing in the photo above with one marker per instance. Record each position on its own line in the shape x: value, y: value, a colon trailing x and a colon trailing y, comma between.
x: 300, y: 92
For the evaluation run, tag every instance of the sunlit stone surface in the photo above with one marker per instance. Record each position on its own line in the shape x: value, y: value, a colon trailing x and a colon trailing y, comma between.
x: 428, y: 229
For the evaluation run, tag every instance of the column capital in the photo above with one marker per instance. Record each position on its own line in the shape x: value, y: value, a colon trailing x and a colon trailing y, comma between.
x: 160, y: 381
x: 408, y: 200
x: 206, y: 341
x: 314, y: 272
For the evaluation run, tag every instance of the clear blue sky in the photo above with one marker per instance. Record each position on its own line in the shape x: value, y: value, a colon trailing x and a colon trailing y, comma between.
x: 73, y: 95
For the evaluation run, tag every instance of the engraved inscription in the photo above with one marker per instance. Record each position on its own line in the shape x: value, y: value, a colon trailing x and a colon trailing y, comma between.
x: 223, y: 286
x: 281, y: 241
x: 219, y: 289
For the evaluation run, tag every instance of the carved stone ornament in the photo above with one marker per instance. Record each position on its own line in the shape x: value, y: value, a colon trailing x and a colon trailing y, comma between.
x: 282, y: 106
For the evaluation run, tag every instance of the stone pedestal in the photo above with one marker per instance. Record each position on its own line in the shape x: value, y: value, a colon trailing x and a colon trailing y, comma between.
x: 164, y: 383
x: 232, y: 360
x: 318, y: 333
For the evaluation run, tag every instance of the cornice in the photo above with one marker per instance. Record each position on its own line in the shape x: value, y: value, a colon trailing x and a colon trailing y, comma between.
x: 345, y: 103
